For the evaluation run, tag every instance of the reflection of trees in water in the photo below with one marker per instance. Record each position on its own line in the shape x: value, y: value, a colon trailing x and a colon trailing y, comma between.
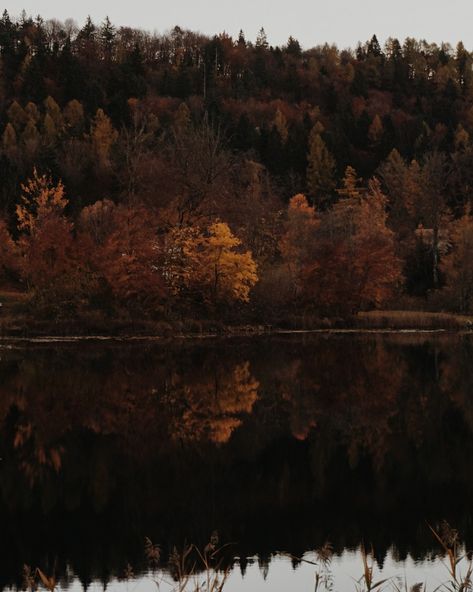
x: 143, y: 402
x: 250, y: 437
x: 376, y: 398
x: 349, y: 389
x: 211, y: 409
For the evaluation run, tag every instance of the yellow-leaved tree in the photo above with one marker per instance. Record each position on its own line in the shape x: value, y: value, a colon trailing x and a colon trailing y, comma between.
x: 217, y: 270
x: 103, y: 137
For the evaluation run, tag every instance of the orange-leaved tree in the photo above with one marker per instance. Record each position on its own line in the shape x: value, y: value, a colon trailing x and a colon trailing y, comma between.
x: 358, y: 265
x: 298, y: 244
x: 49, y: 259
x: 124, y: 253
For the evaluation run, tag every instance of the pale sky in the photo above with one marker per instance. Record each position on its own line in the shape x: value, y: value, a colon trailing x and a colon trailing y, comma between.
x: 311, y: 21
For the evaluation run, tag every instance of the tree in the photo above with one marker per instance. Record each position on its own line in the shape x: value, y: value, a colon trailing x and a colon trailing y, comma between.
x: 74, y: 115
x: 31, y: 141
x: 54, y: 112
x: 202, y: 168
x: 376, y: 130
x: 8, y: 251
x: 261, y: 39
x: 219, y: 273
x: 280, y: 123
x: 458, y: 264
x: 10, y: 144
x: 293, y: 47
x: 402, y: 184
x: 124, y: 252
x: 182, y: 119
x: 103, y: 136
x: 33, y: 112
x: 298, y: 244
x: 107, y: 35
x: 49, y: 259
x: 17, y: 116
x: 320, y: 168
x: 358, y: 267
x: 432, y: 208
x: 40, y: 198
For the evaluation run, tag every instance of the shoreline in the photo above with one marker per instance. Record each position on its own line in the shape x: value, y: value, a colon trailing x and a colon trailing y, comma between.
x: 6, y: 340
x: 21, y: 329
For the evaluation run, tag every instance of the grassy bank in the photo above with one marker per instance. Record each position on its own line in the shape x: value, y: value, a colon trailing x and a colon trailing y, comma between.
x: 18, y: 320
x: 412, y: 319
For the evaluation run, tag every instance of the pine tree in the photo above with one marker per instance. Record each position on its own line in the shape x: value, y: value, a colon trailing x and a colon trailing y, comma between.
x: 261, y: 39
x: 10, y: 143
x: 280, y: 123
x: 320, y: 167
x: 103, y: 136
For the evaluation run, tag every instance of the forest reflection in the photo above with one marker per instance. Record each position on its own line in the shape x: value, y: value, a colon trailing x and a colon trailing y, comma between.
x: 279, y: 443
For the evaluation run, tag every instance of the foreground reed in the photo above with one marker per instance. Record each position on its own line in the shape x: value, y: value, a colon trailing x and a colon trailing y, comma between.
x: 192, y: 569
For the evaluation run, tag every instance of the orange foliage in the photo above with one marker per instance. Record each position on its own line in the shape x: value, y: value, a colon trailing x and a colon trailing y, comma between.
x: 298, y: 242
x: 358, y: 265
x: 125, y: 251
x: 40, y: 198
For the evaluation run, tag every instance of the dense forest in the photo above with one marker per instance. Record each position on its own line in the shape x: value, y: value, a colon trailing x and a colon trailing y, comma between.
x: 177, y: 176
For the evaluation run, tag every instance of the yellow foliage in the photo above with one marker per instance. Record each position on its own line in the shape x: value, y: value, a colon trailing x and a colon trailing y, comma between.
x: 209, y: 264
x: 212, y: 409
x: 223, y: 273
x: 280, y: 123
x: 74, y: 114
x: 103, y: 136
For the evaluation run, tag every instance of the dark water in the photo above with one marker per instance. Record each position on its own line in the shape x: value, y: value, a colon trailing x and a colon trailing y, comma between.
x: 279, y: 444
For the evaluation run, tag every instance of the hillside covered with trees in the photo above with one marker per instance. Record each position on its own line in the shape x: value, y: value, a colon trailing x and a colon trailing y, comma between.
x: 176, y: 176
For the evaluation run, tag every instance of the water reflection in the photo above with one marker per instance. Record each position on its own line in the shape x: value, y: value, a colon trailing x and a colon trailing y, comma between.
x: 278, y: 443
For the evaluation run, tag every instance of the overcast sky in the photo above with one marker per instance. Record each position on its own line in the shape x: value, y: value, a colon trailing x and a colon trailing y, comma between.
x: 311, y: 21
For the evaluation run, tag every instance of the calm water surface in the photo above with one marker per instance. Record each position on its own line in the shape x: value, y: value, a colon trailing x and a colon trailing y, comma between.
x: 280, y: 444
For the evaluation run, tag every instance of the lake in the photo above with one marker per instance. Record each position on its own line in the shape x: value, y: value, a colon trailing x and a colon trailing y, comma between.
x: 279, y: 444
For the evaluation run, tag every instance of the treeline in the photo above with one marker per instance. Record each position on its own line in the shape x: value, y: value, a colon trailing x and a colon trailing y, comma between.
x: 168, y: 174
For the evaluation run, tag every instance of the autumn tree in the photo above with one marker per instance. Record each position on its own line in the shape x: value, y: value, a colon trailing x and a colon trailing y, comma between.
x: 458, y: 264
x: 49, y: 260
x: 280, y: 123
x: 124, y: 254
x: 74, y: 116
x: 298, y: 244
x: 218, y: 272
x: 10, y: 144
x: 358, y: 267
x: 103, y: 137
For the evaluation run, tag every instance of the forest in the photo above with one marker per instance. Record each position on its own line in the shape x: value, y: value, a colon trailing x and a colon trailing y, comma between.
x: 176, y: 177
